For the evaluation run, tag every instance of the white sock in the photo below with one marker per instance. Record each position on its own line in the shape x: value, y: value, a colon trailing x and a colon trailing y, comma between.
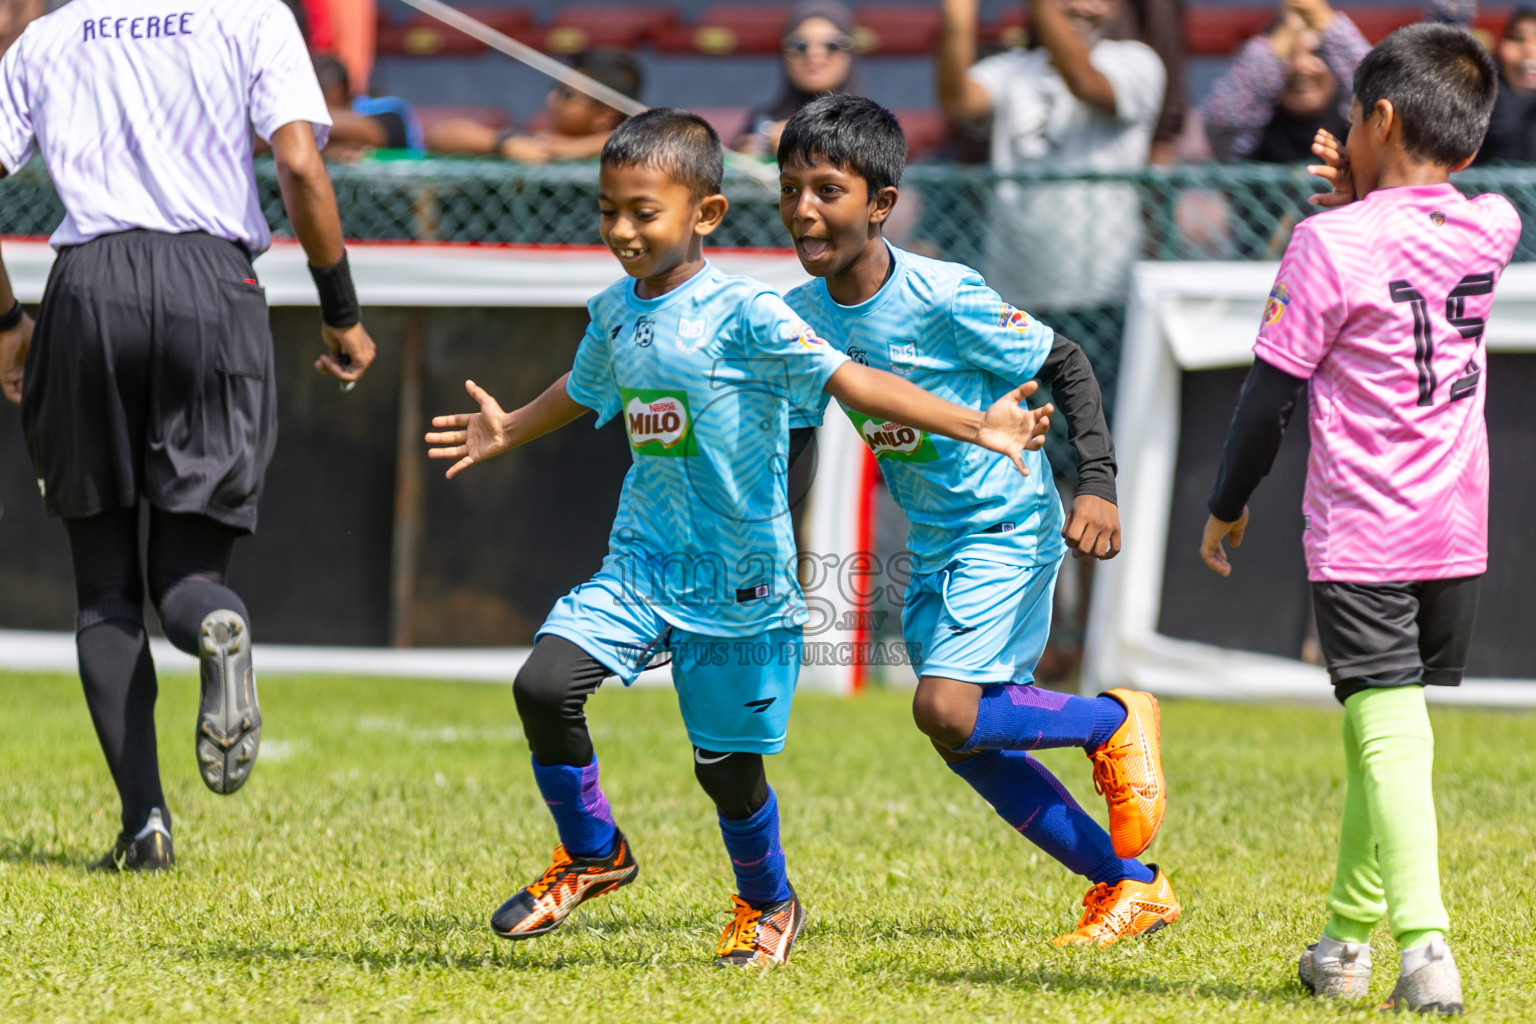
x: 1333, y: 949
x: 1422, y: 956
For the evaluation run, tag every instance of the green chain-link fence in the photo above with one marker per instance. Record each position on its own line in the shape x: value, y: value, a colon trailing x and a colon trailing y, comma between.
x: 1054, y: 242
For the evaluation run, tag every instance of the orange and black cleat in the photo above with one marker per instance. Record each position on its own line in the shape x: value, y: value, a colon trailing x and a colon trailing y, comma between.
x: 565, y: 885
x: 1128, y: 773
x: 1127, y: 908
x: 760, y: 935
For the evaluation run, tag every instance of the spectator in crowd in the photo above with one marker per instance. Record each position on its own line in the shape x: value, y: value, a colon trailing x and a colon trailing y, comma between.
x: 578, y: 124
x: 1279, y: 84
x: 1160, y: 24
x: 1512, y: 128
x: 1077, y: 101
x: 818, y: 59
x: 361, y: 123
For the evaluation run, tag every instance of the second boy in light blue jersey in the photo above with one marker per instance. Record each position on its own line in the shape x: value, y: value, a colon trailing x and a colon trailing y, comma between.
x: 705, y: 370
x: 986, y: 545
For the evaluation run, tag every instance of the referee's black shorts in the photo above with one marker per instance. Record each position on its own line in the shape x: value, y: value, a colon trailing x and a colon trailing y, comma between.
x: 151, y: 377
x: 1377, y: 635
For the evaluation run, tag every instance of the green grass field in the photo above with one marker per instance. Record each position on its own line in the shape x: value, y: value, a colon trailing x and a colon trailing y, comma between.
x: 352, y: 878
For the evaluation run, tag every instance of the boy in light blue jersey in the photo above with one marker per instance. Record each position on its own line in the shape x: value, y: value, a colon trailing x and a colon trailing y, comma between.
x: 705, y: 370
x: 985, y: 545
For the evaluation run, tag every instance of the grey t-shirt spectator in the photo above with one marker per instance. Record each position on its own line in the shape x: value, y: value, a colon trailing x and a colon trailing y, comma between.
x: 1067, y: 245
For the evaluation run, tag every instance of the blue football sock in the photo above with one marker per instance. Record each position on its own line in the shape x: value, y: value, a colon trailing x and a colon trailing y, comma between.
x: 1028, y: 797
x: 579, y: 807
x: 756, y: 856
x: 1014, y: 717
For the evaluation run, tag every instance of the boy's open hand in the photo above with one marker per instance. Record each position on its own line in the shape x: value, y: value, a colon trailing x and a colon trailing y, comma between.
x: 14, y: 345
x: 1011, y: 427
x: 1092, y: 529
x: 1216, y: 531
x: 476, y: 436
x: 1334, y: 170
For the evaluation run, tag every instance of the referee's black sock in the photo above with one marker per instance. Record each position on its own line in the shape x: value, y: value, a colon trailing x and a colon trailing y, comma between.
x: 120, y: 690
x: 184, y: 606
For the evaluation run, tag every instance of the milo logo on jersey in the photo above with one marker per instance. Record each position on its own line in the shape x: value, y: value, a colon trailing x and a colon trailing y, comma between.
x: 894, y: 440
x: 658, y: 422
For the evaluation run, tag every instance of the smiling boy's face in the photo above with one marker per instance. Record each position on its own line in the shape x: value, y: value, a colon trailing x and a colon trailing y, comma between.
x: 651, y: 222
x: 829, y: 214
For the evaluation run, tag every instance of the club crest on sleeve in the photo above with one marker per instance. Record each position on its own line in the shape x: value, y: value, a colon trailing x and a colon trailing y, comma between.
x: 807, y: 337
x: 1437, y: 218
x: 1274, y: 309
x: 1011, y: 316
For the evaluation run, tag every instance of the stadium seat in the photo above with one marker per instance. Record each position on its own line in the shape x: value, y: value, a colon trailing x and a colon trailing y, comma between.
x: 424, y: 36
x: 1219, y: 31
x: 1378, y: 22
x: 898, y: 28
x: 728, y: 122
x: 925, y: 128
x: 491, y: 117
x: 730, y: 28
x: 620, y: 26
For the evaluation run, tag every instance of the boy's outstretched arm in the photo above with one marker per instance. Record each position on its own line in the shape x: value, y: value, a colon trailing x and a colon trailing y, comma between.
x: 477, y: 436
x: 1092, y: 529
x: 1008, y: 427
x: 1263, y: 412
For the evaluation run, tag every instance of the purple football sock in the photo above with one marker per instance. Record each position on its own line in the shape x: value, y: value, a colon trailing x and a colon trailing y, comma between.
x: 756, y: 856
x: 1015, y: 717
x: 580, y: 810
x: 1027, y: 796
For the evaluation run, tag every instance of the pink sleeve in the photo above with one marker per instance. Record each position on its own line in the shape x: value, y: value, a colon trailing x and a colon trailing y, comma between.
x: 1306, y: 307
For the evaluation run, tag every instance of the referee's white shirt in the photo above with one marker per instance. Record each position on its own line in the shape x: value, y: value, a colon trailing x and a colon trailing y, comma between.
x: 143, y: 111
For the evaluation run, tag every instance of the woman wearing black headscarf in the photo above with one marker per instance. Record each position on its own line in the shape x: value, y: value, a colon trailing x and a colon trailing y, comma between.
x: 818, y: 59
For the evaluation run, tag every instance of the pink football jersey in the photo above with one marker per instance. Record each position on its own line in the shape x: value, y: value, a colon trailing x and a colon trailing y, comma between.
x: 1382, y: 305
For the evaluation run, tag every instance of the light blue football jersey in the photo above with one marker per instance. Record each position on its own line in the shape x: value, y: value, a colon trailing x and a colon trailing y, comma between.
x: 939, y: 325
x: 706, y: 378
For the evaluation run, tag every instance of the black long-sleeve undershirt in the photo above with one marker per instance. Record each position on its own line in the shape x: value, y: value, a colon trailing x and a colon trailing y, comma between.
x: 1075, y: 390
x: 1263, y: 412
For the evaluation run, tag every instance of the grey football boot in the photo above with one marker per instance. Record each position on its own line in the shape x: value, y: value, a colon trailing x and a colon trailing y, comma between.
x: 1429, y: 981
x: 228, y: 718
x: 1336, y: 970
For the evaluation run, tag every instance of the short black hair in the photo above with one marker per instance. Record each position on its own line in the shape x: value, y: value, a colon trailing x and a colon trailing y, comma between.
x: 329, y: 71
x: 1524, y: 12
x: 848, y: 131
x: 614, y: 68
x: 1441, y: 82
x: 678, y: 142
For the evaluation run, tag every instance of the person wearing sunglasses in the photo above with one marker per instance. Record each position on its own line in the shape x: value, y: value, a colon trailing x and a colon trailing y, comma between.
x: 819, y: 58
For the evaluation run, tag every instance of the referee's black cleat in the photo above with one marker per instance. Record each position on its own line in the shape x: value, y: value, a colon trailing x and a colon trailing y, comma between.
x: 149, y: 850
x: 228, y: 719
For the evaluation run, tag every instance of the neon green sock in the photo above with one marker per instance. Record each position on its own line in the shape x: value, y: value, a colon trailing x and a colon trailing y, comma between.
x: 1394, y: 751
x: 1357, y: 901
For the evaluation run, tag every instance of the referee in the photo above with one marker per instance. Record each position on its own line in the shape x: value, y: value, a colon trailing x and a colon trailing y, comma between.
x: 148, y: 379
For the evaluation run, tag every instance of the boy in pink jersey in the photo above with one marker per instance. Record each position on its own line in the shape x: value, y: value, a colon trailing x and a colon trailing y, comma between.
x: 1379, y: 310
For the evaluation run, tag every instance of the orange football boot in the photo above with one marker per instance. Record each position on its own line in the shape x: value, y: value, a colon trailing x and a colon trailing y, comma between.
x: 1126, y: 908
x: 760, y: 935
x: 1128, y: 773
x: 566, y: 884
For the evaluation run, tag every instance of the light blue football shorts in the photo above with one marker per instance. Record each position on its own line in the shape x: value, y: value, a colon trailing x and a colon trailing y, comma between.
x: 734, y: 692
x: 979, y: 622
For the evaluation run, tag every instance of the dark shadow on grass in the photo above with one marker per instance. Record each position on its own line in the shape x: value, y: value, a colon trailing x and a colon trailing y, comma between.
x: 25, y: 851
x: 630, y: 943
x: 1091, y: 978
